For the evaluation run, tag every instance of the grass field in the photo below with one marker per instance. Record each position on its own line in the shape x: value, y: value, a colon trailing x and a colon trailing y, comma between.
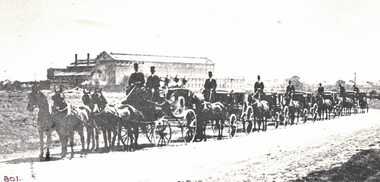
x: 18, y: 127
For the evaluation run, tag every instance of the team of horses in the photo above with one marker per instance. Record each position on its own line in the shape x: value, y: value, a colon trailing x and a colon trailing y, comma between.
x: 97, y: 116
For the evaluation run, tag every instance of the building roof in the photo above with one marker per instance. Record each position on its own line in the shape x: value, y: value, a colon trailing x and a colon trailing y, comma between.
x: 158, y: 58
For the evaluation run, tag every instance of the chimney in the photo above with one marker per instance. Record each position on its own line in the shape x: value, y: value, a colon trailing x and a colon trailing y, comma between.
x: 76, y: 59
x: 88, y: 59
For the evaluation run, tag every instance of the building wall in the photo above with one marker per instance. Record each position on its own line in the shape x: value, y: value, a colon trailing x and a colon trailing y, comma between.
x: 109, y: 72
x: 236, y: 84
x: 122, y: 73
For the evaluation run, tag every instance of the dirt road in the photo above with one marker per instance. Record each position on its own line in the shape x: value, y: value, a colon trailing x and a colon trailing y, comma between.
x: 276, y: 155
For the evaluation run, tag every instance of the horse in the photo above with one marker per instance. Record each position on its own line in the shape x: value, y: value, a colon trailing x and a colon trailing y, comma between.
x: 36, y: 99
x: 261, y: 110
x: 212, y: 112
x: 105, y: 117
x: 325, y: 107
x: 345, y: 105
x: 110, y: 118
x: 363, y: 104
x: 68, y: 119
x: 296, y: 108
x: 91, y: 127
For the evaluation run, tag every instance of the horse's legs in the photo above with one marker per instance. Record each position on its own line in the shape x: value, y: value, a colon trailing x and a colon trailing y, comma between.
x: 220, y: 133
x: 115, y: 134
x: 204, y: 131
x: 136, y: 135
x: 259, y: 119
x: 48, y: 142
x: 109, y: 137
x: 41, y: 135
x: 298, y: 116
x: 64, y: 146
x: 130, y: 136
x: 96, y: 138
x: 244, y: 124
x: 265, y: 123
x: 104, y: 132
x: 81, y: 135
x: 88, y: 137
x: 71, y: 137
x: 118, y: 131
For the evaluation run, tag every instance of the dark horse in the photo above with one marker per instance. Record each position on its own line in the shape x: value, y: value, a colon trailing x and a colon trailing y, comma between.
x: 68, y: 119
x: 363, y: 104
x: 36, y: 99
x: 151, y: 112
x: 92, y: 129
x: 111, y: 118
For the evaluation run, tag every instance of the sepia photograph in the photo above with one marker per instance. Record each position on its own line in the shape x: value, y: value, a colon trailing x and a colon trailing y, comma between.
x: 179, y: 90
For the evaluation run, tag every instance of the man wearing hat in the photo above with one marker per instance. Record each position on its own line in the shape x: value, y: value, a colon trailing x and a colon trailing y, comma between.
x: 320, y: 90
x: 259, y: 88
x: 342, y: 92
x: 153, y: 84
x: 136, y: 78
x: 209, y: 88
x: 289, y: 92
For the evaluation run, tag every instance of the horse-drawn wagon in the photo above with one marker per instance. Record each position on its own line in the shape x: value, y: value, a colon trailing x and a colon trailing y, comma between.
x: 234, y: 104
x: 139, y: 114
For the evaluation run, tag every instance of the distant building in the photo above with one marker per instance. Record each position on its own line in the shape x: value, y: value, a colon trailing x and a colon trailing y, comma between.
x: 111, y: 70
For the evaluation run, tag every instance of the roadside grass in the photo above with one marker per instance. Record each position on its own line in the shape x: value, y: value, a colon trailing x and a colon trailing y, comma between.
x: 18, y: 127
x: 374, y: 104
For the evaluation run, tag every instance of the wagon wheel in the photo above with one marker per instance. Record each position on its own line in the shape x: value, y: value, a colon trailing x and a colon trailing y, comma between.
x: 159, y: 132
x: 276, y: 119
x: 248, y: 123
x: 149, y: 132
x: 232, y: 123
x: 189, y: 130
x: 123, y: 135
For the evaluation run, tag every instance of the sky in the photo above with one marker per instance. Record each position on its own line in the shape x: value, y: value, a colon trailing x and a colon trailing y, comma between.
x: 320, y: 41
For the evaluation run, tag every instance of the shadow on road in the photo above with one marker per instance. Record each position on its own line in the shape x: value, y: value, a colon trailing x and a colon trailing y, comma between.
x: 359, y: 167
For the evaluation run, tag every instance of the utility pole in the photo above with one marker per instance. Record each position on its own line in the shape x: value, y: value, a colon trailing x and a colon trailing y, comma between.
x: 355, y: 77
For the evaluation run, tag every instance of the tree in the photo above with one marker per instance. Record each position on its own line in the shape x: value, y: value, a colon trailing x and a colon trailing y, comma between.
x: 17, y: 85
x: 370, y: 83
x: 372, y: 93
x: 298, y: 85
x: 341, y: 82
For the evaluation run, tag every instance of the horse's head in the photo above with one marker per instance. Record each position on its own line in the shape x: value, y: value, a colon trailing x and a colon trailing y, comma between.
x: 319, y: 98
x: 59, y: 99
x: 33, y: 100
x: 98, y: 101
x: 86, y: 98
x: 252, y: 100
